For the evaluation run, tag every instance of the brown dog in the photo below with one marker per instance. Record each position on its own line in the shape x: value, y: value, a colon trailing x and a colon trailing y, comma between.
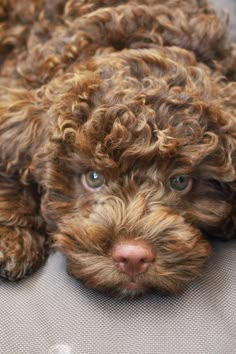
x: 118, y: 140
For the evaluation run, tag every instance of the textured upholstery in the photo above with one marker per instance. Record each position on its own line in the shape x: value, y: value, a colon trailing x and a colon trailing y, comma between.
x: 52, y: 313
x: 228, y: 7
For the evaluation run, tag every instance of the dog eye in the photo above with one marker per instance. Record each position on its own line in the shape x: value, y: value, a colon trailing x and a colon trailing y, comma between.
x: 181, y: 183
x: 92, y: 181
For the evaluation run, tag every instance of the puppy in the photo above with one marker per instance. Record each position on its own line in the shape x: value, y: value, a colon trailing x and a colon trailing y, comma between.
x: 118, y: 140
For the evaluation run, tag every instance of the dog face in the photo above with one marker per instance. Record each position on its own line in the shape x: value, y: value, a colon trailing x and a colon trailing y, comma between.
x: 139, y: 169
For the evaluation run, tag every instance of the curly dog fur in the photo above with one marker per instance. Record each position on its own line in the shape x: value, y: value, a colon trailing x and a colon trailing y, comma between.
x: 143, y: 94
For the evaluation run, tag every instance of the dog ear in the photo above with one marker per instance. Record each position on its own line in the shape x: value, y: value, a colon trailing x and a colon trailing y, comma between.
x: 227, y: 64
x: 227, y: 230
x: 229, y: 190
x: 225, y: 174
x: 21, y: 115
x: 224, y: 193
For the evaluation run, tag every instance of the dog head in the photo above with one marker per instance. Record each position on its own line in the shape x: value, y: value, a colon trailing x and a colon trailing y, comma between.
x: 140, y: 168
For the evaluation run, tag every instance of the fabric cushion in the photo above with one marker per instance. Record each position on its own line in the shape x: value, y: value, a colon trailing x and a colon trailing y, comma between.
x: 53, y: 313
x: 228, y: 7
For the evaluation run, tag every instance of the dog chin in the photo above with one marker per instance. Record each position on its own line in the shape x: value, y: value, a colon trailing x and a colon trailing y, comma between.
x: 127, y: 292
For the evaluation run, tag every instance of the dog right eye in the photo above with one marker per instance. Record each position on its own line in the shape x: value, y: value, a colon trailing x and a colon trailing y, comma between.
x: 92, y: 181
x: 181, y: 183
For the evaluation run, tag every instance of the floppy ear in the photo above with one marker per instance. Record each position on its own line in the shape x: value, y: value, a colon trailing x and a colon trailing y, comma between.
x: 229, y: 190
x: 227, y: 230
x: 228, y: 181
x: 227, y: 64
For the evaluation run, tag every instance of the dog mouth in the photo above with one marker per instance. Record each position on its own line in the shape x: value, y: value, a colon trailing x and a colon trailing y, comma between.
x: 133, y: 285
x: 130, y: 290
x: 132, y: 270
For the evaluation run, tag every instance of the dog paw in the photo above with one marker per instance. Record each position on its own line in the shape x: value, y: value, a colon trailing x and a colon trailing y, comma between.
x: 22, y: 252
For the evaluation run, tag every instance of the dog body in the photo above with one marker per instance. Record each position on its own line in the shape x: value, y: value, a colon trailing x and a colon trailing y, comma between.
x: 118, y: 140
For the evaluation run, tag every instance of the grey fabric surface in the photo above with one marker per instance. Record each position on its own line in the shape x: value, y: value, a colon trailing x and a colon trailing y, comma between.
x: 52, y: 313
x: 228, y: 7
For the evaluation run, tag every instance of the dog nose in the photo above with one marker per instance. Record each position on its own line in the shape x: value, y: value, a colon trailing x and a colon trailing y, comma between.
x: 132, y: 257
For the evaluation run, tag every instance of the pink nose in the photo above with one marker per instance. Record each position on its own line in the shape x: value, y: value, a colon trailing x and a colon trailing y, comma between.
x: 132, y: 257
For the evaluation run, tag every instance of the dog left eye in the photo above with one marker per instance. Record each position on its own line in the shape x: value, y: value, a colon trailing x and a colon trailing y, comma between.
x: 92, y: 181
x: 181, y: 183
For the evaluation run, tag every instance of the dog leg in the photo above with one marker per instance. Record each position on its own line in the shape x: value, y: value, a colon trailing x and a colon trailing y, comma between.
x: 22, y: 251
x: 24, y: 242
